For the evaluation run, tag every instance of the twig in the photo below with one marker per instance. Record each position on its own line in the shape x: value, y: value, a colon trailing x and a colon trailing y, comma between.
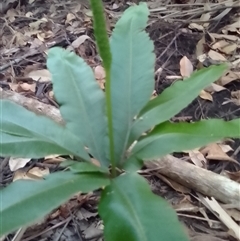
x: 169, y: 45
x: 18, y: 60
x: 47, y: 230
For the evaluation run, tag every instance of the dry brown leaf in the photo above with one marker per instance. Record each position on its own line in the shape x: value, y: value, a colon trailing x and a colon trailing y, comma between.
x: 42, y: 36
x: 216, y: 56
x: 234, y: 27
x: 36, y: 25
x: 224, y: 46
x: 206, y: 16
x: 196, y: 27
x: 224, y: 36
x: 100, y: 75
x: 186, y: 67
x: 214, y: 152
x: 228, y: 78
x: 200, y: 47
x: 41, y: 75
x: 38, y: 172
x: 236, y: 94
x: 35, y: 173
x: 205, y: 95
x: 11, y: 15
x: 80, y: 40
x: 51, y: 94
x: 202, y: 58
x: 197, y: 158
x: 229, y: 49
x: 174, y: 185
x: 19, y: 39
x: 186, y: 206
x: 70, y: 17
x: 14, y: 87
x: 54, y: 159
x: 28, y: 87
x: 16, y: 163
x: 225, y: 148
x: 214, y: 88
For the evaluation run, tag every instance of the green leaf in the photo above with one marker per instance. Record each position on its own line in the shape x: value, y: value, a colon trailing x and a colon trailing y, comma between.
x: 130, y: 211
x: 25, y: 201
x: 83, y: 167
x: 132, y: 72
x: 32, y: 147
x: 175, y: 137
x: 174, y: 99
x: 25, y: 134
x: 82, y: 102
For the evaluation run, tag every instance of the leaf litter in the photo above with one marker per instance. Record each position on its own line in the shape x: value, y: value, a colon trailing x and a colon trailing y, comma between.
x: 188, y: 35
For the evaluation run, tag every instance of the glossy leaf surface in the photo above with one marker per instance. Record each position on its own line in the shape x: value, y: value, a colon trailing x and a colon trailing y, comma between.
x: 82, y: 102
x: 132, y: 72
x: 131, y: 212
x: 174, y: 137
x: 25, y: 134
x: 25, y: 201
x: 174, y: 99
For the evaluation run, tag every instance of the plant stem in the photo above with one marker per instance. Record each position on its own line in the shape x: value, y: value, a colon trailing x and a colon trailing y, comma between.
x: 110, y: 122
x: 101, y: 36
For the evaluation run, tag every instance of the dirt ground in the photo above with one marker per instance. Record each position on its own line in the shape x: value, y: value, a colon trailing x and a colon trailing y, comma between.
x: 186, y: 34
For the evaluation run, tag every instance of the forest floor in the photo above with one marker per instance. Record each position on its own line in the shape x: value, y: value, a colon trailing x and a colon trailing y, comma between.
x: 187, y: 35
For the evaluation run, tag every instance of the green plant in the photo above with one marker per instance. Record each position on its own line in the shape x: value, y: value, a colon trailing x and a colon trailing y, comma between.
x: 107, y: 124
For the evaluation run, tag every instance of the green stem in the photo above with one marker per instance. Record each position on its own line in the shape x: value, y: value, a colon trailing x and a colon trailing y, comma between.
x: 100, y: 33
x: 110, y: 122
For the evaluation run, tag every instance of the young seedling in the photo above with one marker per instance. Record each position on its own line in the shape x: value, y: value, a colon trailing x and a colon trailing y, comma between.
x: 107, y: 123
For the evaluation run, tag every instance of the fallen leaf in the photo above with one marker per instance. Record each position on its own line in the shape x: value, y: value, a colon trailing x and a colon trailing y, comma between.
x: 16, y: 163
x: 229, y: 48
x: 198, y: 158
x: 219, y: 45
x: 28, y: 87
x: 216, y: 56
x: 186, y: 67
x: 214, y: 88
x: 225, y: 148
x: 236, y: 94
x: 54, y: 159
x: 214, y: 152
x: 35, y: 173
x: 100, y: 75
x: 200, y: 47
x: 36, y: 25
x: 234, y: 27
x: 225, y: 36
x: 174, y: 185
x: 196, y: 26
x: 205, y: 95
x: 228, y: 78
x: 42, y: 75
x: 80, y: 40
x: 70, y: 17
